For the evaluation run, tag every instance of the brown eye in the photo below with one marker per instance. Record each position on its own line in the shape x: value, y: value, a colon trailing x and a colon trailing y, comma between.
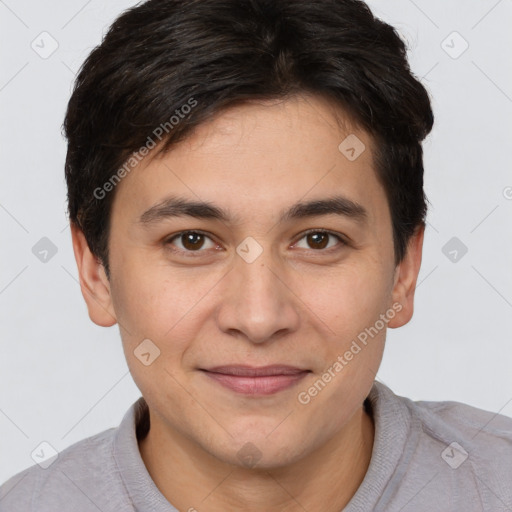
x: 318, y: 240
x: 191, y: 241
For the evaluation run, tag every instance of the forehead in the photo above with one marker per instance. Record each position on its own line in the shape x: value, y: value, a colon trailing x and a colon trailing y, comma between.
x: 258, y: 156
x: 274, y: 125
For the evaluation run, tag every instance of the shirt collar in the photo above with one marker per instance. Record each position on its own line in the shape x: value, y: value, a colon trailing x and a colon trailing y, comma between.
x: 392, y: 421
x: 141, y: 489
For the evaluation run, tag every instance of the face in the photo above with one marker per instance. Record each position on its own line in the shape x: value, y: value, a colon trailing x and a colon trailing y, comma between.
x: 289, y: 264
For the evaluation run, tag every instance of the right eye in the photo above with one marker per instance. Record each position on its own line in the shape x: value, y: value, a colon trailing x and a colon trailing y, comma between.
x: 189, y: 242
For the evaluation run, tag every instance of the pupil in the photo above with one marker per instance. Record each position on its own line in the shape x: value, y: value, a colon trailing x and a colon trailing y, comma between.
x: 192, y: 240
x: 318, y: 240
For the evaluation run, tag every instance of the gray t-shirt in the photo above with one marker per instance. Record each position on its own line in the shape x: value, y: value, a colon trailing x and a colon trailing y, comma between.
x: 427, y: 456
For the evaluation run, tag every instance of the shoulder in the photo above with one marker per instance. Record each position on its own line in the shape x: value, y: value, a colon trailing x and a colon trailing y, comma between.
x: 483, y: 436
x: 443, y: 455
x: 73, y: 477
x: 488, y: 435
x: 467, y: 448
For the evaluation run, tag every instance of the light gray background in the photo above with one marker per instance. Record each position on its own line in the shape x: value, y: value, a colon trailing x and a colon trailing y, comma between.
x: 62, y: 378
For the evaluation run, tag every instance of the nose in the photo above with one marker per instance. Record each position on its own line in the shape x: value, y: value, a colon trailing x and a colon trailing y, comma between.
x: 257, y: 301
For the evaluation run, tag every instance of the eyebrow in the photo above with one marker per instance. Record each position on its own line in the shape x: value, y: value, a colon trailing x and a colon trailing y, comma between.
x: 180, y: 207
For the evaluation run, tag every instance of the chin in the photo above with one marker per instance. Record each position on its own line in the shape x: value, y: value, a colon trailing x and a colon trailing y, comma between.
x: 258, y: 452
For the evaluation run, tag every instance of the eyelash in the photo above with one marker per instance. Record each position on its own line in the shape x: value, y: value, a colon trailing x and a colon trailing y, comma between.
x: 168, y: 241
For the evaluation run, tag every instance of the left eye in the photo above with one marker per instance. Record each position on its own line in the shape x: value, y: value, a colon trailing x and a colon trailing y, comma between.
x: 318, y: 240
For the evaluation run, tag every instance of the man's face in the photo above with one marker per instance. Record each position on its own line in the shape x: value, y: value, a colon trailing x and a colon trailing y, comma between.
x: 263, y: 286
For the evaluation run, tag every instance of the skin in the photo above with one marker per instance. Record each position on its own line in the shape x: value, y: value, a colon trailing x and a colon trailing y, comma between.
x: 297, y: 304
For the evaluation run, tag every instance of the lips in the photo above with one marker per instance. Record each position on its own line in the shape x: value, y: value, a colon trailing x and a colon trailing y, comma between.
x: 249, y: 380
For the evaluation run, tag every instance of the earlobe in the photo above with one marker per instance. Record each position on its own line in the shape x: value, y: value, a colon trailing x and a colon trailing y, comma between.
x: 93, y: 281
x: 406, y: 275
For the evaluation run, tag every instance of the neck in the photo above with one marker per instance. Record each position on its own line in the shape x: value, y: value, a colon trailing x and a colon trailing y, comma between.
x: 326, y: 479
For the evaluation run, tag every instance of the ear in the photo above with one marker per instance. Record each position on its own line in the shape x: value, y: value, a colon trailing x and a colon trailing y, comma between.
x: 94, y: 283
x: 406, y: 275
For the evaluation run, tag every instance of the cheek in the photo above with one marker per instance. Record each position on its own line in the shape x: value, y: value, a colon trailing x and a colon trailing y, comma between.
x: 156, y: 308
x: 350, y: 298
x: 160, y: 303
